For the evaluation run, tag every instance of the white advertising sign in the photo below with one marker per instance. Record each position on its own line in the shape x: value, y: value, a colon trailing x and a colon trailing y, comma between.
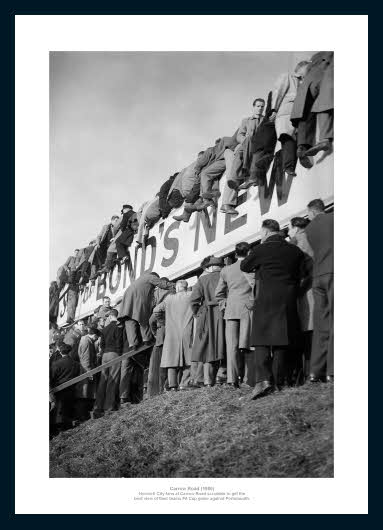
x: 176, y: 248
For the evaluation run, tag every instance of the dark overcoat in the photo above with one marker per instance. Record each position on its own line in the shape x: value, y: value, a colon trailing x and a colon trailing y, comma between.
x: 209, y: 341
x: 280, y: 267
x: 316, y: 92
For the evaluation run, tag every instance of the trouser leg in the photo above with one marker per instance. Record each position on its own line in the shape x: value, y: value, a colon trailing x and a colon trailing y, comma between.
x: 121, y: 249
x: 197, y: 372
x: 101, y: 389
x: 132, y: 332
x: 210, y: 372
x: 263, y: 370
x: 109, y: 260
x: 113, y: 381
x: 154, y: 380
x: 306, y: 130
x: 222, y: 371
x: 146, y: 333
x: 194, y: 193
x: 71, y: 303
x: 229, y: 197
x: 126, y: 383
x: 330, y: 348
x: 289, y: 152
x: 137, y: 386
x: 321, y: 333
x: 306, y: 349
x: 236, y: 167
x: 325, y: 121
x: 209, y: 175
x: 172, y: 377
x: 232, y: 350
x: 185, y: 379
x: 280, y: 365
x: 249, y: 362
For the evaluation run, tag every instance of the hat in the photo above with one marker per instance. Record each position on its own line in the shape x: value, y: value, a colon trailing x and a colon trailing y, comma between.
x: 214, y: 262
x: 126, y: 206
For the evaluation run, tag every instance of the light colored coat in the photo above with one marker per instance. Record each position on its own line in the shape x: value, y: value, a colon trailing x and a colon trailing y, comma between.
x: 236, y: 288
x: 178, y: 330
x: 209, y: 341
x: 141, y: 220
x: 88, y: 360
x: 247, y: 127
x: 185, y: 180
x: 282, y: 102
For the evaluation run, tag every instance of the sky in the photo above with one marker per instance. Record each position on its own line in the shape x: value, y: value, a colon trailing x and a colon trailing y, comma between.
x: 122, y: 122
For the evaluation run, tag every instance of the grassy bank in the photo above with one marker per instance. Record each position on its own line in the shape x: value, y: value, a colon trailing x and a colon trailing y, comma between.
x: 205, y: 433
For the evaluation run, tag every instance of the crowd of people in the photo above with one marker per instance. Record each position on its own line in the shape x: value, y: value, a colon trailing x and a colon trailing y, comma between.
x: 300, y: 103
x: 264, y: 321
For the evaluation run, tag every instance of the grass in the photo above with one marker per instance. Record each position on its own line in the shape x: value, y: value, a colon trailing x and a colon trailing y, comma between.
x: 205, y: 433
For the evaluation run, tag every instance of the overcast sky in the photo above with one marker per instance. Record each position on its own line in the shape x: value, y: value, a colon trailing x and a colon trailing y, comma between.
x: 121, y: 123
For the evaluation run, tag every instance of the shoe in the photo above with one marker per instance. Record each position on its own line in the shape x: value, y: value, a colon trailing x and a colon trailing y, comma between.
x: 325, y: 145
x: 245, y: 385
x: 229, y: 210
x: 185, y: 217
x: 173, y: 389
x: 303, y: 158
x: 261, y: 389
x: 96, y: 414
x: 208, y: 386
x: 232, y: 184
x: 195, y: 385
x: 231, y: 386
x: 315, y: 379
x: 246, y: 185
x: 330, y: 379
x: 205, y: 204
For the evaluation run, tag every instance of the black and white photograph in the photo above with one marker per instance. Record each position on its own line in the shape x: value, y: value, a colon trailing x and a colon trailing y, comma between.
x: 188, y: 203
x: 191, y: 251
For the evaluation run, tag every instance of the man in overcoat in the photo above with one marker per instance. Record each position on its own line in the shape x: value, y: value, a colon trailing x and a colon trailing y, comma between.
x: 135, y: 312
x: 176, y: 353
x: 320, y: 235
x: 88, y: 360
x: 280, y: 267
x: 235, y: 294
x: 63, y: 369
x: 209, y: 341
x: 157, y: 375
